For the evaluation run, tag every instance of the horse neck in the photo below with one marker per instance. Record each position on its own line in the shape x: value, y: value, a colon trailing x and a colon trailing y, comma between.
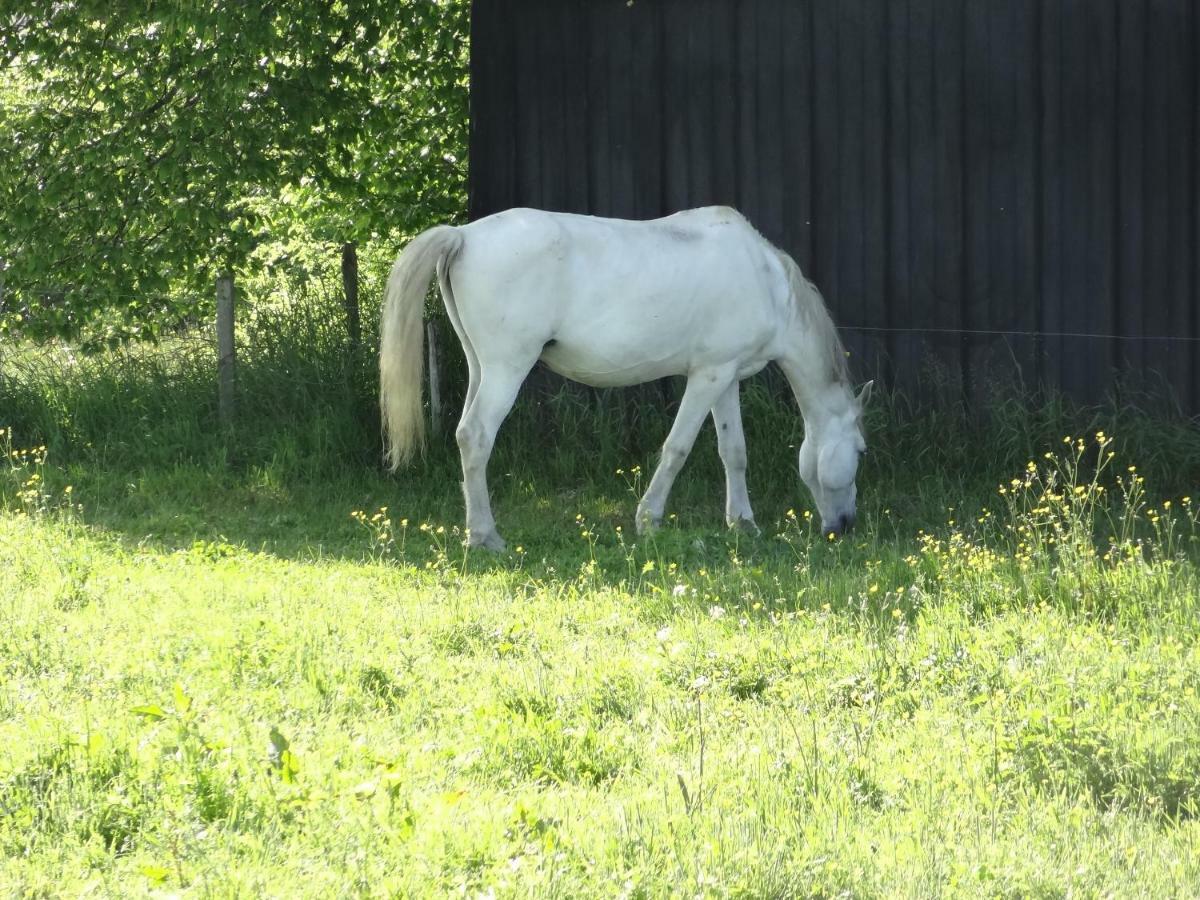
x: 812, y: 356
x: 821, y: 391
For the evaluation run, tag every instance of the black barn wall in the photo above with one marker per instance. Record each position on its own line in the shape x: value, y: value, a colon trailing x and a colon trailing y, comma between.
x: 979, y: 188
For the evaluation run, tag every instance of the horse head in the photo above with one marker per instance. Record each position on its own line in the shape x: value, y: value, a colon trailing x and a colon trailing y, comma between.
x: 829, y: 457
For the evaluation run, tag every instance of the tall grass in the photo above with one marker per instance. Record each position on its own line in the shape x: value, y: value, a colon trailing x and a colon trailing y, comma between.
x: 305, y: 397
x: 307, y: 408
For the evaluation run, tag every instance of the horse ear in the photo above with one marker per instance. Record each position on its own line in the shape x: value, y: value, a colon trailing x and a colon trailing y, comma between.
x: 865, y: 394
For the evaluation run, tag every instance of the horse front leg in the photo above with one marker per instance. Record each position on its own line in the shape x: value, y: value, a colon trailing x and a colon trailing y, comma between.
x: 476, y: 434
x: 731, y: 444
x: 702, y: 391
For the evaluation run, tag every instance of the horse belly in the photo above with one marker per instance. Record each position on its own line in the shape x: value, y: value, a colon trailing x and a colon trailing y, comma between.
x: 655, y: 342
x: 612, y: 363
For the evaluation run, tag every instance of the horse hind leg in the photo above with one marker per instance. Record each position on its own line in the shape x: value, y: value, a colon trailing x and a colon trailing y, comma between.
x: 476, y: 434
x: 464, y: 339
x: 702, y: 391
x: 731, y: 444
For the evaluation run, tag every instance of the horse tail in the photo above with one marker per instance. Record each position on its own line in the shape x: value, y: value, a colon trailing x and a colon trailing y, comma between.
x: 402, y: 341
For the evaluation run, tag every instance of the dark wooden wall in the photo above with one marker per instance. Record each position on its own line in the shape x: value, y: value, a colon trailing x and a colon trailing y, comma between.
x: 980, y: 188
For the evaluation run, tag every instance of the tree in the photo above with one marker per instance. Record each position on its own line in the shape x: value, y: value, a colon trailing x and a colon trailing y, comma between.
x: 148, y: 145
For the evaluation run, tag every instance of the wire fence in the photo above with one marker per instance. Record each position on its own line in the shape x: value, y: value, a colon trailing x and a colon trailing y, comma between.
x: 168, y: 300
x: 990, y: 332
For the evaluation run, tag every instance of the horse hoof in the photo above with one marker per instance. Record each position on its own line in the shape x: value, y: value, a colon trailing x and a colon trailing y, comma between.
x: 490, y: 541
x: 745, y: 526
x: 647, y: 524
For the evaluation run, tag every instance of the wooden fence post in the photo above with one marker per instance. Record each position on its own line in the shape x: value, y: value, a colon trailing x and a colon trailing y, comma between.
x: 226, y: 354
x: 350, y: 292
x: 3, y: 269
x: 435, y: 381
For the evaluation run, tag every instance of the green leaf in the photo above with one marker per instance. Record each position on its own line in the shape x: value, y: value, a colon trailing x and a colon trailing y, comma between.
x: 182, y: 701
x: 289, y: 767
x: 96, y: 743
x: 151, y: 711
x: 157, y: 874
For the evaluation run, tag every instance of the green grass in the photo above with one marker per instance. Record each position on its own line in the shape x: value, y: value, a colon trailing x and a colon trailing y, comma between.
x: 216, y: 681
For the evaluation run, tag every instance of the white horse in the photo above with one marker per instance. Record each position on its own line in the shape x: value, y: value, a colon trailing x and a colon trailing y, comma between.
x: 611, y: 302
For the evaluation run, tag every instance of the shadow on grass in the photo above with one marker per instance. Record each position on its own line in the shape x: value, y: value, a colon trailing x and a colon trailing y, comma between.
x: 563, y: 533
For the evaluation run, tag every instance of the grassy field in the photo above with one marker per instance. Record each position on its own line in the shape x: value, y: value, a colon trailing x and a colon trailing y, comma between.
x: 253, y: 665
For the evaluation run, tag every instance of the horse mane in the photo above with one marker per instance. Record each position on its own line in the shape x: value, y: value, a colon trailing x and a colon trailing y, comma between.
x: 815, y: 315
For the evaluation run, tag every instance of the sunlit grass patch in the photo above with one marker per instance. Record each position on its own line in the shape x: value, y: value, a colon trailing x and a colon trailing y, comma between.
x: 554, y: 746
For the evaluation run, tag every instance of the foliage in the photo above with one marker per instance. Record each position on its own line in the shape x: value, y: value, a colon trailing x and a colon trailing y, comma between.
x: 151, y: 146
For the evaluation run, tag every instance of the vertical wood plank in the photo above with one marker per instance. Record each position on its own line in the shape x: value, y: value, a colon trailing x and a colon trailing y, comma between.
x: 898, y: 311
x: 743, y: 136
x: 1075, y: 114
x: 769, y: 175
x: 619, y: 45
x: 676, y: 98
x: 1052, y: 165
x: 876, y: 145
x: 1158, y: 188
x: 1130, y: 199
x: 1180, y: 58
x: 1026, y: 218
x: 600, y: 139
x: 698, y: 34
x: 826, y: 187
x: 645, y: 73
x: 795, y: 130
x: 922, y: 217
x: 719, y: 61
x: 577, y: 139
x: 849, y: 170
x: 527, y: 115
x: 1194, y: 333
x: 550, y: 70
x: 979, y: 214
x: 485, y: 81
x: 1098, y: 301
x: 948, y: 193
x: 1000, y: 359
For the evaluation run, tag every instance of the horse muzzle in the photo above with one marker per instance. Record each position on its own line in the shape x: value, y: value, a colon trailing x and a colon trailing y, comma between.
x: 839, y: 526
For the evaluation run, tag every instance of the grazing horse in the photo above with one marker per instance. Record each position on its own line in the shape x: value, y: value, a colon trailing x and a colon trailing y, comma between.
x: 611, y: 302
